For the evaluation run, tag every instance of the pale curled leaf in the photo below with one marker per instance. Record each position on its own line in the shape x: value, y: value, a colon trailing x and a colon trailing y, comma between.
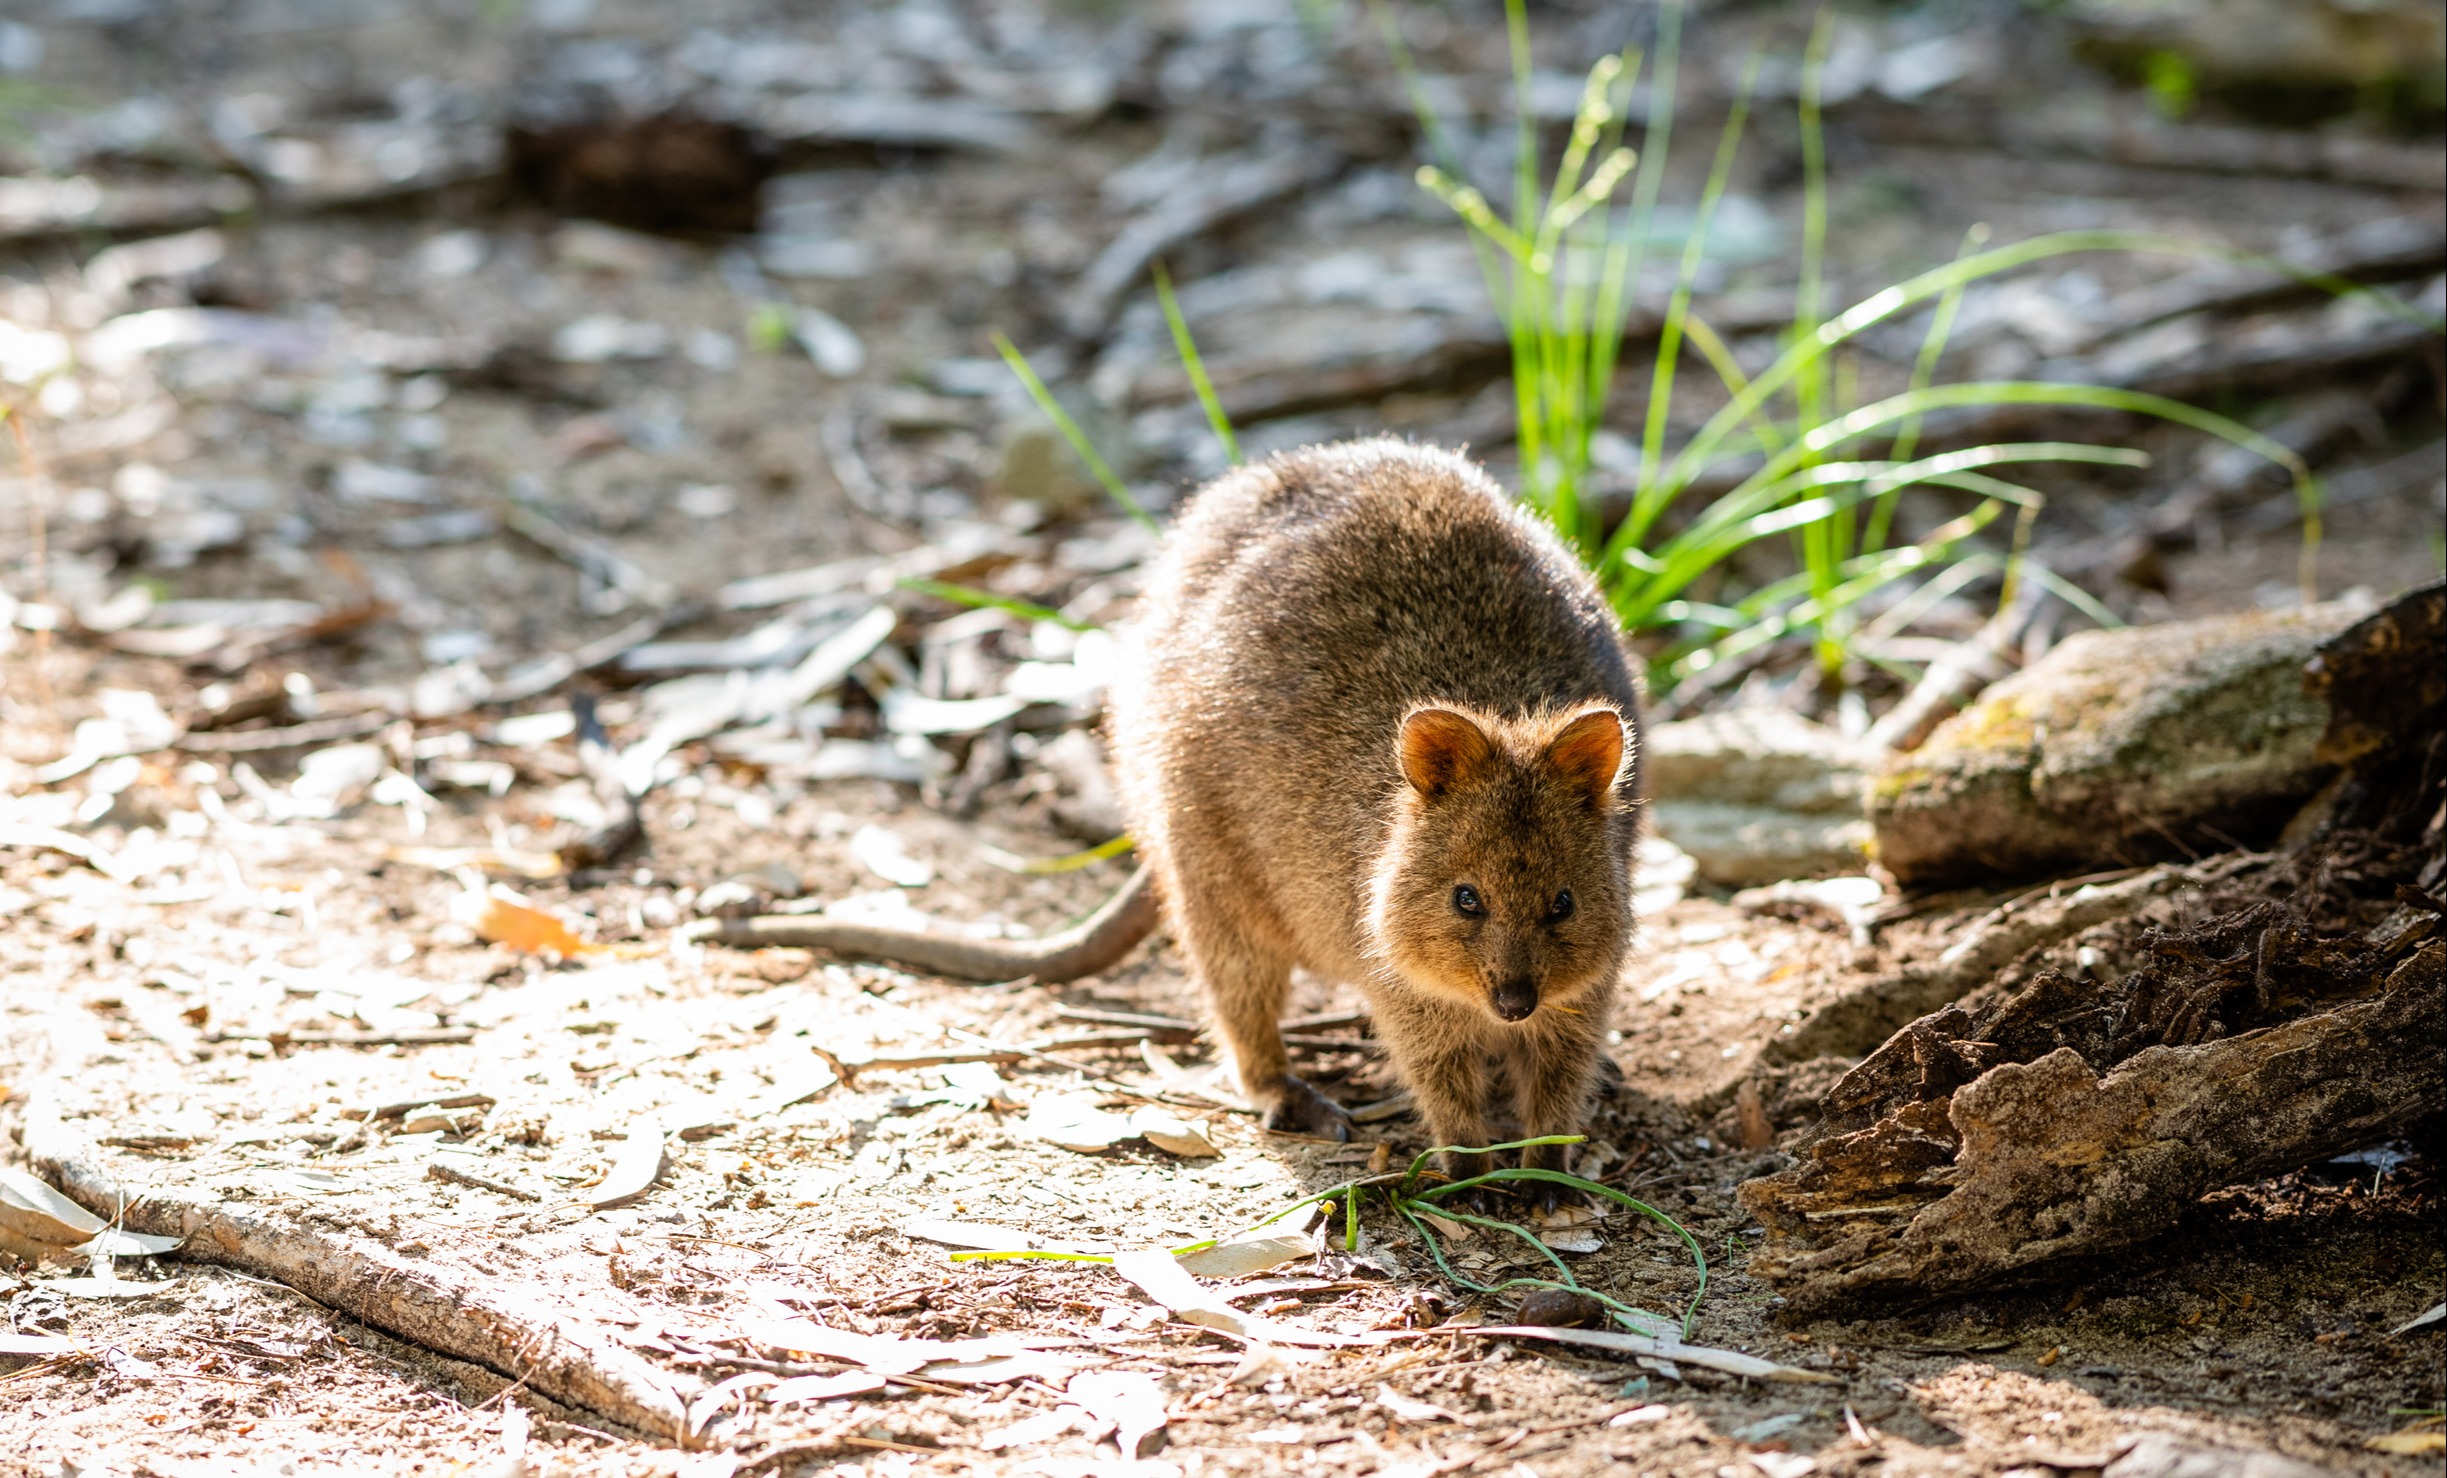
x: 1174, y: 1136
x: 115, y: 1242
x: 32, y: 1208
x: 1160, y: 1276
x: 37, y: 1345
x: 1029, y: 1431
x: 634, y: 1171
x: 1073, y: 1122
x: 1403, y: 1408
x: 824, y: 1388
x: 103, y: 1287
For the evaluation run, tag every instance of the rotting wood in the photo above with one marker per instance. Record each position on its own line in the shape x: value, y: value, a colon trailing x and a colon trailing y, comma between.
x: 2033, y: 1162
x: 574, y: 1361
x: 1860, y: 1018
x: 2303, y: 1016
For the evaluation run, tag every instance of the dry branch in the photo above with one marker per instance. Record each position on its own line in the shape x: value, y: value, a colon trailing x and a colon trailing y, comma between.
x: 572, y: 1360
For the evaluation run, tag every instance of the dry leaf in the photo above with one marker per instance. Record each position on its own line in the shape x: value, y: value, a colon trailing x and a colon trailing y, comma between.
x: 116, y: 1242
x: 1029, y: 1431
x: 824, y: 1388
x: 1000, y: 1370
x: 1172, y: 1135
x: 709, y: 1404
x: 634, y: 1172
x: 2409, y: 1443
x: 884, y: 854
x: 881, y: 1353
x: 1668, y: 1351
x: 32, y: 1208
x: 2422, y: 1320
x: 1240, y: 1259
x: 502, y: 917
x: 1126, y: 1399
x: 491, y: 861
x: 1398, y: 1405
x: 1074, y: 1122
x: 103, y: 1287
x: 37, y: 1344
x: 1160, y: 1276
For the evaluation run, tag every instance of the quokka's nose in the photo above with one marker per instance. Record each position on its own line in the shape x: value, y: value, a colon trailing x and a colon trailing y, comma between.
x: 1515, y: 999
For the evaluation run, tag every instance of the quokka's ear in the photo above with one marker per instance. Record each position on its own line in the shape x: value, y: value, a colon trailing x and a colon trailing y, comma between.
x: 1588, y: 753
x: 1441, y: 749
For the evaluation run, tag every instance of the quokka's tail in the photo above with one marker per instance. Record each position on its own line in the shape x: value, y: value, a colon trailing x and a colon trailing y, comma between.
x: 1094, y: 943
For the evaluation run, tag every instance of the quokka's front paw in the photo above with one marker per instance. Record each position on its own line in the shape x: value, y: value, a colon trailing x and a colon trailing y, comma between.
x: 1545, y: 1198
x: 1300, y: 1109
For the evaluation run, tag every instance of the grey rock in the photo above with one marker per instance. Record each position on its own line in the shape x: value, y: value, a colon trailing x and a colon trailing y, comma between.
x: 2119, y: 747
x: 1758, y: 795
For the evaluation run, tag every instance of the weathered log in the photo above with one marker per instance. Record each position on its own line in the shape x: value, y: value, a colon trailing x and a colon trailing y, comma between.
x: 2118, y: 747
x: 2299, y: 1012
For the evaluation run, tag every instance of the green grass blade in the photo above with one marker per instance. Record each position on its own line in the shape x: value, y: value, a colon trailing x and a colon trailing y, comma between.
x: 1646, y: 503
x: 1070, y: 429
x: 1525, y: 122
x: 1705, y: 445
x: 1187, y: 348
x: 969, y: 595
x: 1810, y: 387
x: 1933, y: 343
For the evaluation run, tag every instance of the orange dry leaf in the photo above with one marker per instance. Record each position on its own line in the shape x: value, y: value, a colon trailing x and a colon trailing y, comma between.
x: 502, y: 917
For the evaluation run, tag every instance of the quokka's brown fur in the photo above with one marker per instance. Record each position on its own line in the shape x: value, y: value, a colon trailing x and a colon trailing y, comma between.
x: 1383, y: 727
x: 1365, y: 683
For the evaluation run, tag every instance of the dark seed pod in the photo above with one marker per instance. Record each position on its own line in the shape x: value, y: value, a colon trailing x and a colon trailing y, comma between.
x: 1561, y: 1308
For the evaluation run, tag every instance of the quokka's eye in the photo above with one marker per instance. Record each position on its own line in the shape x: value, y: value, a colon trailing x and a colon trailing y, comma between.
x: 1466, y: 901
x: 1562, y: 909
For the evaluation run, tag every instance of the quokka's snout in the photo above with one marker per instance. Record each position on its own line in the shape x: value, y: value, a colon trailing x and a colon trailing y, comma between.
x: 1515, y: 998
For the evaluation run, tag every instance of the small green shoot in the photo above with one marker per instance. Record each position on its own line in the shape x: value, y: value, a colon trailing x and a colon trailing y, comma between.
x: 770, y: 328
x: 1069, y: 428
x: 1411, y: 1199
x: 1050, y: 866
x: 1196, y: 368
x: 970, y: 595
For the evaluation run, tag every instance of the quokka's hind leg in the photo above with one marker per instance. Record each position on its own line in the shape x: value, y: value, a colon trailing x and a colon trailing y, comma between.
x: 1246, y: 986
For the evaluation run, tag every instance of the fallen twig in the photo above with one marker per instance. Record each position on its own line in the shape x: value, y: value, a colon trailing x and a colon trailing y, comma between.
x: 482, y: 1320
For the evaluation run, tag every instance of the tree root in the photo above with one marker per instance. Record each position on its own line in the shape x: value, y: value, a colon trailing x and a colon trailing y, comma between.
x: 573, y: 1361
